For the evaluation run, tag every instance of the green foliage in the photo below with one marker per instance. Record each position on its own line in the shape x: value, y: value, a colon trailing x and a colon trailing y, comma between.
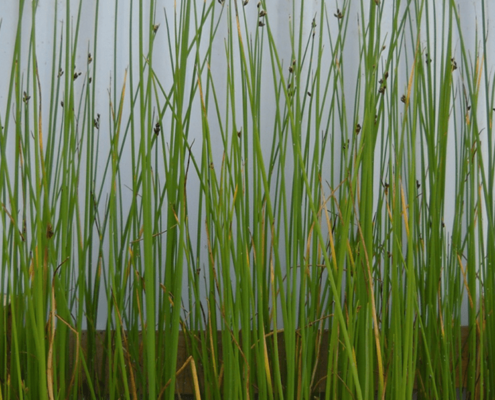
x: 285, y: 211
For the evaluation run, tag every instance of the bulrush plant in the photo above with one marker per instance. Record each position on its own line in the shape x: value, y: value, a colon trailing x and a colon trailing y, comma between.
x: 272, y: 200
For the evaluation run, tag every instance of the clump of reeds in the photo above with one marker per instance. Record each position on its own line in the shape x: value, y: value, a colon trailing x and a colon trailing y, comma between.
x: 301, y: 216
